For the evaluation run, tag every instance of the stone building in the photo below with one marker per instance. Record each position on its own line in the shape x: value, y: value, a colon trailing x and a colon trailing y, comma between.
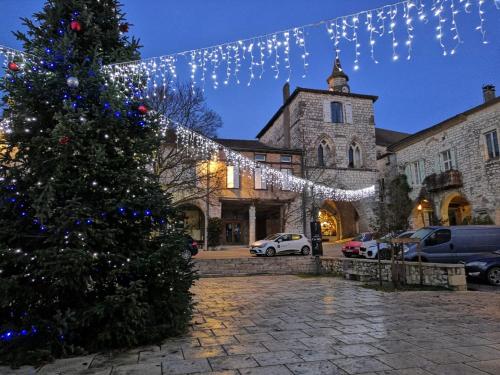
x: 453, y: 167
x: 327, y: 136
x: 249, y: 207
x: 335, y: 129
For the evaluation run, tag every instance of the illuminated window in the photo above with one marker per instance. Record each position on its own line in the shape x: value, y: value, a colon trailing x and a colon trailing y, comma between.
x: 232, y: 177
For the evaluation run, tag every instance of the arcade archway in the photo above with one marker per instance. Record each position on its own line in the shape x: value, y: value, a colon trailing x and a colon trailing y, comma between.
x: 455, y: 210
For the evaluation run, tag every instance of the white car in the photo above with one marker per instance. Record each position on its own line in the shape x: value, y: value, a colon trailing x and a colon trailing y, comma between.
x: 369, y: 249
x: 282, y: 243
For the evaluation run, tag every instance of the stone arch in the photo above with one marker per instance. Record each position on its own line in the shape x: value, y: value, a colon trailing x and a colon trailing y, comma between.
x: 346, y: 216
x: 455, y: 209
x: 325, y: 151
x: 193, y: 221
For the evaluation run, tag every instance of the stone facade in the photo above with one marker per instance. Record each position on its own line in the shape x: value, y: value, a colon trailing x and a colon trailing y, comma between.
x: 453, y: 178
x: 331, y: 138
x: 311, y: 126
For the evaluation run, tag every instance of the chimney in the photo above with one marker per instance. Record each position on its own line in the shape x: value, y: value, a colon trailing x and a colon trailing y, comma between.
x: 286, y: 92
x: 489, y: 92
x: 286, y: 116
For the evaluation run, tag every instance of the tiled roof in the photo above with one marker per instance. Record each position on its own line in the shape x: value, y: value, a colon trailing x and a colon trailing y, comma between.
x: 386, y: 137
x: 253, y: 145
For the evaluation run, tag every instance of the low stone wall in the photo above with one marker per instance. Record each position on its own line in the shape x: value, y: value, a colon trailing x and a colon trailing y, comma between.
x: 280, y: 265
x: 434, y: 274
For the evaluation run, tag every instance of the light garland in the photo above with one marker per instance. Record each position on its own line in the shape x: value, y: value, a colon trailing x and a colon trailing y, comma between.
x: 224, y: 63
x: 229, y: 62
x: 205, y: 148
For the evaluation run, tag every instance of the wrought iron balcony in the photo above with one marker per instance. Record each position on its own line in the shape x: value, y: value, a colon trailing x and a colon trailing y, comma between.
x: 444, y: 180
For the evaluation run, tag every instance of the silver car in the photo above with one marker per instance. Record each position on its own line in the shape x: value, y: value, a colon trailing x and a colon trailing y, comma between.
x: 282, y: 243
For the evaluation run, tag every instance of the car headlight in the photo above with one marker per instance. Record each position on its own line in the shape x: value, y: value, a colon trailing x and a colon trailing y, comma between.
x: 476, y: 264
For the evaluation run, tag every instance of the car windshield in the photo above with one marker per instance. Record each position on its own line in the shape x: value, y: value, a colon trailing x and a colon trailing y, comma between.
x: 363, y: 237
x: 272, y: 237
x: 422, y: 233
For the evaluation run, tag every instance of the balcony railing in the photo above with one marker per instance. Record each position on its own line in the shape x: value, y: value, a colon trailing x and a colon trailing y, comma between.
x: 443, y: 181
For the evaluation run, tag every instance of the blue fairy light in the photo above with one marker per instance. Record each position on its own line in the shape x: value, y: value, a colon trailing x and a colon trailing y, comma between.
x: 147, y: 213
x: 89, y: 221
x: 118, y: 114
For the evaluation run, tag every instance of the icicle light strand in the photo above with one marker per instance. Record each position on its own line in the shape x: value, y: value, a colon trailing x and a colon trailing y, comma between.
x: 248, y: 59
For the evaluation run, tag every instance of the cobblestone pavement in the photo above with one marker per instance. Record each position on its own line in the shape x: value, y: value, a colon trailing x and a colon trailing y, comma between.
x: 273, y: 325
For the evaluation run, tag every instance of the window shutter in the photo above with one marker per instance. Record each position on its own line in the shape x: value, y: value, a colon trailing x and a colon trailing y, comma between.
x: 453, y: 159
x: 236, y: 177
x: 327, y: 111
x: 408, y: 174
x: 421, y: 165
x: 348, y: 113
x: 437, y: 164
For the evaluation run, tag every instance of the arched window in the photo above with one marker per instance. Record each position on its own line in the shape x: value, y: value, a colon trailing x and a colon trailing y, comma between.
x: 321, y: 156
x: 323, y: 153
x: 355, y: 159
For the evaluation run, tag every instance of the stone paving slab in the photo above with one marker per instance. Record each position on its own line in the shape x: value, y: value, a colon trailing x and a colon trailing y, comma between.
x: 285, y: 325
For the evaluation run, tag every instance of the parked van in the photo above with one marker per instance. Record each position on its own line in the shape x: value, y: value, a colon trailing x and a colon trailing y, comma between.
x: 453, y: 244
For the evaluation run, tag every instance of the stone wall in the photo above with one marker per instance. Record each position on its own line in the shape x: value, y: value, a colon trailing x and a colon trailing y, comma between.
x: 434, y: 274
x: 310, y: 124
x: 464, y: 136
x: 280, y: 265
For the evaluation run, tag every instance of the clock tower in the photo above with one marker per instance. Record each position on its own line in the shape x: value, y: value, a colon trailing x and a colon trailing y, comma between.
x: 337, y: 81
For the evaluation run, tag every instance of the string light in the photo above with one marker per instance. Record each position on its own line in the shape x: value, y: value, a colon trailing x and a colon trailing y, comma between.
x: 205, y: 148
x: 274, y: 50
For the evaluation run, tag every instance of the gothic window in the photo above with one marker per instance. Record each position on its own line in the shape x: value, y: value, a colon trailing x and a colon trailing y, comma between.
x: 355, y: 159
x: 323, y: 154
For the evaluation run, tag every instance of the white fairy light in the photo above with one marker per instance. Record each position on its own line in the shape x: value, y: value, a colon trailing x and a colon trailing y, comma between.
x: 225, y: 61
x: 480, y: 27
x: 409, y: 26
x: 438, y: 9
x: 206, y: 148
x: 357, y: 45
x: 393, y: 12
x: 371, y: 31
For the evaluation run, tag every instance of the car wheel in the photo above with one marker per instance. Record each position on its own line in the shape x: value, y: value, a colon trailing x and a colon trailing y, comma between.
x: 186, y: 254
x: 305, y: 250
x: 493, y: 276
x: 270, y: 252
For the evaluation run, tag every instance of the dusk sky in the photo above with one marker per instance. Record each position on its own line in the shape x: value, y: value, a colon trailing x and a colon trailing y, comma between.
x: 412, y: 94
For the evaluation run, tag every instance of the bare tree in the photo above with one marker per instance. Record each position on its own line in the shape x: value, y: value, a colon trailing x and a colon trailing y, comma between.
x: 184, y: 175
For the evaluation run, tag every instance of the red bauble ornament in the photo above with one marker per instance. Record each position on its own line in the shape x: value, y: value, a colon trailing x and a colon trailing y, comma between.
x: 64, y: 140
x: 75, y: 26
x: 124, y: 27
x: 142, y: 109
x: 13, y: 66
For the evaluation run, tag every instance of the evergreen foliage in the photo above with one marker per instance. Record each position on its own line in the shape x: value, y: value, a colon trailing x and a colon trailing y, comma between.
x: 214, y: 231
x: 88, y: 257
x: 393, y: 212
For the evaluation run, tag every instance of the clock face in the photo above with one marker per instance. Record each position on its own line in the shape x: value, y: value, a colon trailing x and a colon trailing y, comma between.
x: 345, y: 89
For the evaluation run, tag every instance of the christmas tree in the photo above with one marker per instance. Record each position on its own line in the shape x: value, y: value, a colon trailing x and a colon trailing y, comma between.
x: 89, y: 255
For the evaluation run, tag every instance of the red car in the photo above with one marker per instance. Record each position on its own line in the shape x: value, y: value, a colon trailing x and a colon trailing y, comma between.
x: 352, y: 247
